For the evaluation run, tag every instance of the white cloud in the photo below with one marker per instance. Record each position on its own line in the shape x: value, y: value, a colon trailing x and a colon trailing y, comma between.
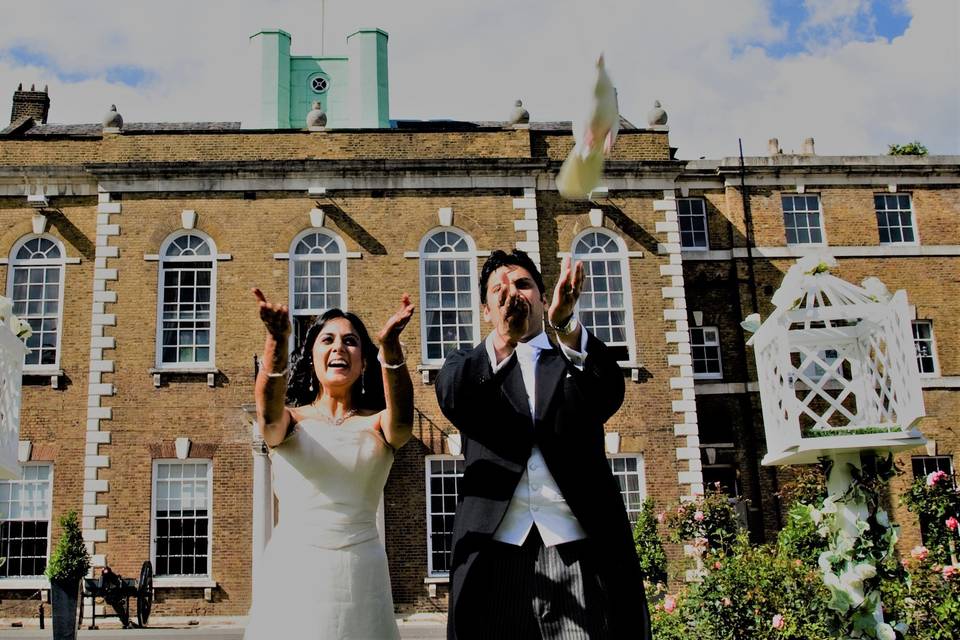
x: 703, y: 60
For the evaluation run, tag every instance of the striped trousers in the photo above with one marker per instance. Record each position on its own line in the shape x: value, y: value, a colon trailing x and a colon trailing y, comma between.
x: 534, y: 592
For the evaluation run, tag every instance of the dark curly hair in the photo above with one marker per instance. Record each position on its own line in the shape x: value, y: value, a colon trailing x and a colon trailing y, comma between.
x: 500, y: 258
x: 303, y: 387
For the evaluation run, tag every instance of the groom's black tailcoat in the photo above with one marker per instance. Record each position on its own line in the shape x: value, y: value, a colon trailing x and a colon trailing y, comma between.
x: 492, y: 413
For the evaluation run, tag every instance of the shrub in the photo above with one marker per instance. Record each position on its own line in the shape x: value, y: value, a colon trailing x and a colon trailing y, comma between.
x: 936, y: 501
x: 710, y: 521
x: 915, y: 148
x: 69, y: 560
x: 653, y: 559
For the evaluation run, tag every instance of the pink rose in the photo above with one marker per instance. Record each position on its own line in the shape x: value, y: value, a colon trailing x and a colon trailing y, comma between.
x: 669, y: 604
x: 681, y: 510
x: 661, y: 517
x: 698, y: 516
x: 919, y: 553
x: 717, y: 565
x: 950, y: 571
x: 952, y: 523
x: 935, y: 477
x: 797, y: 562
x: 778, y: 622
x: 727, y: 602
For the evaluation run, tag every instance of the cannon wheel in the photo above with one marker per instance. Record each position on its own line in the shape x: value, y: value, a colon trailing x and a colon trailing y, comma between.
x: 145, y: 593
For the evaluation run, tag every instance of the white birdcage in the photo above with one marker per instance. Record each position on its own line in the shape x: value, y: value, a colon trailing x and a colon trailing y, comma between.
x: 837, y: 368
x: 12, y: 352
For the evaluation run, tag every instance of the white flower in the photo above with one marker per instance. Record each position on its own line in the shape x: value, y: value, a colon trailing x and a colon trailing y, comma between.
x: 751, y: 323
x: 876, y: 289
x: 885, y: 632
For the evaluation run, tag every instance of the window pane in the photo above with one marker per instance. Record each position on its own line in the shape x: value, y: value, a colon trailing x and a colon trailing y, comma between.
x: 182, y: 523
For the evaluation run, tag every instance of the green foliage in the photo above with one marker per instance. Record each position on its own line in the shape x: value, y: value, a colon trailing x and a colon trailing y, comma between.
x: 800, y: 538
x: 915, y: 148
x: 710, y: 521
x: 69, y: 560
x: 935, y: 499
x: 928, y: 599
x: 807, y: 485
x: 653, y: 559
x: 750, y: 593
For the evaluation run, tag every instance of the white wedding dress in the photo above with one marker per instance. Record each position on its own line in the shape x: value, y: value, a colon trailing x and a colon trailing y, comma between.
x: 325, y: 573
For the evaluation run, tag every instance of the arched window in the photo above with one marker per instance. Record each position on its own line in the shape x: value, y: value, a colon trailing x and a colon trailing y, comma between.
x: 604, y: 306
x: 318, y: 278
x: 448, y: 286
x: 187, y: 302
x: 36, y: 289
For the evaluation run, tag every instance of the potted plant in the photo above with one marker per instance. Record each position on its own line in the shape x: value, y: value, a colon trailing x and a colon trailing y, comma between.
x: 68, y: 564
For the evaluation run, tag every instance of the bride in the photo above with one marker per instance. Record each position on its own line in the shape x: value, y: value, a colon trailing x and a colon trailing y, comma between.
x: 333, y: 430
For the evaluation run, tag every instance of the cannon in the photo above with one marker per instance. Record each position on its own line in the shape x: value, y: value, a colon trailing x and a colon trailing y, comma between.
x: 117, y: 593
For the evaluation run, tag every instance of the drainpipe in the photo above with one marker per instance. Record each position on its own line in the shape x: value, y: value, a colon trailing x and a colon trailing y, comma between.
x: 746, y: 406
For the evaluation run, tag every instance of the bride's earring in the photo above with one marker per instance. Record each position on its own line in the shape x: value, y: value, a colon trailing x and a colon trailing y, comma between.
x: 363, y: 388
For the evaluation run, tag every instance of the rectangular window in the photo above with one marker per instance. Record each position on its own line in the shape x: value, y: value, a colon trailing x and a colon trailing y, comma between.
x: 25, y: 522
x: 895, y: 218
x: 36, y: 299
x: 926, y: 349
x: 448, y: 306
x: 602, y: 307
x: 802, y: 219
x: 925, y: 465
x: 629, y: 472
x: 705, y: 349
x: 692, y: 216
x: 443, y: 480
x: 186, y: 313
x: 181, y: 517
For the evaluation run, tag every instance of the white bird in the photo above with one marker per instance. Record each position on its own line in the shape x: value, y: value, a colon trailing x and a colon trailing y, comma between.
x: 595, y: 136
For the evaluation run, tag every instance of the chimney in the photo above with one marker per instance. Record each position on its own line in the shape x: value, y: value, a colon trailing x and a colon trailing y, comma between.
x: 807, y: 148
x: 33, y: 103
x: 773, y: 147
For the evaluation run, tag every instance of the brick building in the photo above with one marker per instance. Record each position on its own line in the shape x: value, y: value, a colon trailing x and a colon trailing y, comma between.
x: 135, y: 266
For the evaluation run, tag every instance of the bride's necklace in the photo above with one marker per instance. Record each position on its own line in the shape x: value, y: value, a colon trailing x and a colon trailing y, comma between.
x: 333, y: 420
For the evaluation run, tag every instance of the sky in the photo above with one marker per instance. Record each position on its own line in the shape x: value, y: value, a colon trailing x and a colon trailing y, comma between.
x: 856, y: 75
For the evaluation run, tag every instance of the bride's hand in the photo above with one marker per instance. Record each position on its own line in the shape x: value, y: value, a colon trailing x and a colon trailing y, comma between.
x: 275, y: 317
x: 389, y: 336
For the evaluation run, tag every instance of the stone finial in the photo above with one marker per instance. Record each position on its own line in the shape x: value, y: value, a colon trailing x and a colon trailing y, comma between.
x: 112, y: 119
x: 519, y: 115
x: 316, y: 118
x: 807, y: 148
x: 656, y: 116
x: 773, y: 147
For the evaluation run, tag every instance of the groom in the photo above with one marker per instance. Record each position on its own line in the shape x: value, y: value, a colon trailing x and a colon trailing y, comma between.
x: 542, y: 547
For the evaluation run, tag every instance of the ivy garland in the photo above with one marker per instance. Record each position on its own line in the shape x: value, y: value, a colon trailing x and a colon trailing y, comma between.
x: 854, y: 565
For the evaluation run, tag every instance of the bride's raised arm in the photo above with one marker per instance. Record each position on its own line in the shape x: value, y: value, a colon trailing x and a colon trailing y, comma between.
x: 271, y: 386
x: 396, y: 421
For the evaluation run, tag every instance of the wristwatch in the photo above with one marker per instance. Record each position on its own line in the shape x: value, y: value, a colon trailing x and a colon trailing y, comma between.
x: 567, y: 327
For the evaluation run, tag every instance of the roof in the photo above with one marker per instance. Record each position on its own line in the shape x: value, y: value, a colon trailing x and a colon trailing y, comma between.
x: 23, y: 127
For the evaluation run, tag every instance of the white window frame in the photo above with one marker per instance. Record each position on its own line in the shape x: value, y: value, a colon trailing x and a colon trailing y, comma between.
x: 717, y: 344
x: 898, y: 210
x: 933, y: 348
x: 198, y: 579
x: 187, y: 366
x: 702, y: 215
x: 641, y: 480
x: 622, y: 257
x: 431, y: 572
x: 822, y: 228
x: 935, y: 459
x: 33, y: 581
x: 471, y: 255
x: 60, y: 262
x: 341, y: 257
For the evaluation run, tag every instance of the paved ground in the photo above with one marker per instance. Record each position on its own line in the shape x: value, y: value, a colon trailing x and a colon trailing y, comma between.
x: 210, y: 629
